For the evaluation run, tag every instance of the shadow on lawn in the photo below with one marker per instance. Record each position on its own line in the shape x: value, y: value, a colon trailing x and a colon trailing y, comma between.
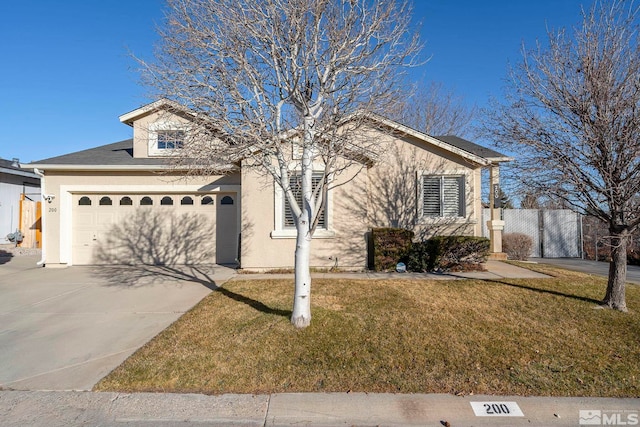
x: 547, y: 291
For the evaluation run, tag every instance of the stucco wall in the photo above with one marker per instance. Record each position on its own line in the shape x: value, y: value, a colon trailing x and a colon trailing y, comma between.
x: 143, y: 126
x: 394, y: 188
x: 260, y: 249
x: 384, y: 195
x: 57, y: 218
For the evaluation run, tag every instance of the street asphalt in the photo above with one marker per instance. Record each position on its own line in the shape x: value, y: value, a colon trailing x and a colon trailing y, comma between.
x: 597, y: 268
x: 61, y: 330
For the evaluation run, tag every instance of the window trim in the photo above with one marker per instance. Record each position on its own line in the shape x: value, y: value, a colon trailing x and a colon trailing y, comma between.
x: 155, y: 128
x: 463, y: 202
x: 282, y: 232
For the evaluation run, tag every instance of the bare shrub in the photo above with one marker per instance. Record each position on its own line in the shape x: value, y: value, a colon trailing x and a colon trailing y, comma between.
x: 518, y: 246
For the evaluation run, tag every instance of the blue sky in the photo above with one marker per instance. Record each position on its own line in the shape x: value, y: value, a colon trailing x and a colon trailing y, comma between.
x: 67, y: 74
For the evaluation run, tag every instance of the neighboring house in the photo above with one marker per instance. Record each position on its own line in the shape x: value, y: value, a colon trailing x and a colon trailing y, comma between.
x: 15, y: 182
x: 121, y: 203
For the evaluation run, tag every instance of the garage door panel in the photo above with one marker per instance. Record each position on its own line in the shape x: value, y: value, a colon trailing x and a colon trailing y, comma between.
x: 158, y: 234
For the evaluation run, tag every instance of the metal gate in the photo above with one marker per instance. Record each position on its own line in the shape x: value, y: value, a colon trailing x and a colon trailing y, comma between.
x: 555, y: 232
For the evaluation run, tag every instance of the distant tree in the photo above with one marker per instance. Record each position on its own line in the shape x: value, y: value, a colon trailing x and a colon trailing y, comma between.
x: 572, y: 115
x: 505, y: 200
x: 434, y: 110
x: 264, y: 75
x: 530, y: 201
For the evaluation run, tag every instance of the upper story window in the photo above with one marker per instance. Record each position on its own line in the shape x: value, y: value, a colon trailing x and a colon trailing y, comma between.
x: 165, y: 137
x: 443, y: 196
x: 170, y: 139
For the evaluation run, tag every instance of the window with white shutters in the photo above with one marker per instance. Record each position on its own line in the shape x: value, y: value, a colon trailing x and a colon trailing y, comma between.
x: 443, y: 196
x: 295, y: 181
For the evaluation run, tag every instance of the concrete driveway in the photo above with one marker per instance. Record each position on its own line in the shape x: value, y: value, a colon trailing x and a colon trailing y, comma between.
x: 591, y: 267
x: 65, y: 329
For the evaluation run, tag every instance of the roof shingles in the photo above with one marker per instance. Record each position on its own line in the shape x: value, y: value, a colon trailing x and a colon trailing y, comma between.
x: 116, y: 154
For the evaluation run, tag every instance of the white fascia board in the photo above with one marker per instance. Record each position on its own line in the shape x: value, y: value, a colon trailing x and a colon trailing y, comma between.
x: 430, y: 139
x: 47, y: 167
x: 131, y: 116
x: 19, y: 173
x: 500, y: 159
x: 54, y: 167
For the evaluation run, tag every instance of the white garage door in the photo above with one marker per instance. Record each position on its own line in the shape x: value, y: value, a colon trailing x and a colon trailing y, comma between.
x: 155, y: 229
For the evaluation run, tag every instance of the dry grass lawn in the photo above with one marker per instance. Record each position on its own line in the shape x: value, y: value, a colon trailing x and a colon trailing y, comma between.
x: 516, y: 337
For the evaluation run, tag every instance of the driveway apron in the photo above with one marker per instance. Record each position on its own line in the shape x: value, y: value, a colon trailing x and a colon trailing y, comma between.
x: 65, y: 329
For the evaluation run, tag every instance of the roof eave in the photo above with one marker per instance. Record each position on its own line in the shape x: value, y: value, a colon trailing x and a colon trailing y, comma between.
x: 17, y: 172
x: 130, y: 117
x: 502, y: 159
x: 430, y: 139
x: 114, y: 168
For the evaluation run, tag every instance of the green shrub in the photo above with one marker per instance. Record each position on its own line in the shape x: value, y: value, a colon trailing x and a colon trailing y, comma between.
x: 389, y: 246
x: 418, y: 258
x: 448, y: 253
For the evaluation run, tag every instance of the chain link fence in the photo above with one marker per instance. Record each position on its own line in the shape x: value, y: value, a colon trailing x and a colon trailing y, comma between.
x: 556, y: 233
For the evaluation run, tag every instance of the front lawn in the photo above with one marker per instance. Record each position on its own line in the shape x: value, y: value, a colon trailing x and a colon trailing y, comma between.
x: 515, y: 337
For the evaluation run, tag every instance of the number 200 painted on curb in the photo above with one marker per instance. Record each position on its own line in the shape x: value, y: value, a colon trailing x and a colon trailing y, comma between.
x: 496, y: 409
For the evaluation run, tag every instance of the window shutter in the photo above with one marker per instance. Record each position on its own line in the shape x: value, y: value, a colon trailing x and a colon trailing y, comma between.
x: 451, y: 190
x: 431, y: 196
x: 295, y: 181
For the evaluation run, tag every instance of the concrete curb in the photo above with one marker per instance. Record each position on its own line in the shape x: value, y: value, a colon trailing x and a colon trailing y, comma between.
x: 45, y: 408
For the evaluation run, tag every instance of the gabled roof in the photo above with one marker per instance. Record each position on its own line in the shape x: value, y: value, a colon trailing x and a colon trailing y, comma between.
x: 106, y: 157
x: 466, y: 149
x: 119, y: 155
x: 474, y: 148
x: 159, y: 105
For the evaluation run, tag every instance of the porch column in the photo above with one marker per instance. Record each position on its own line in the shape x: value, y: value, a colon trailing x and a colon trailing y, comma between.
x: 495, y: 224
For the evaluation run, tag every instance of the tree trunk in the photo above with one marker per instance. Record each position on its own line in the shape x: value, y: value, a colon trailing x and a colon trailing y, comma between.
x: 301, y: 316
x: 615, y: 296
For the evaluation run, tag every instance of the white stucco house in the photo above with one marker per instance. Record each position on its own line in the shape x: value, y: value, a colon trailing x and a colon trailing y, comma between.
x: 122, y: 203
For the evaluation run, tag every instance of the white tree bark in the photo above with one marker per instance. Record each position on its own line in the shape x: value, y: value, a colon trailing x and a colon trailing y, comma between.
x: 259, y: 74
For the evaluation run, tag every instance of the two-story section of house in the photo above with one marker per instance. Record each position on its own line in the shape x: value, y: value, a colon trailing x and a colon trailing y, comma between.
x: 126, y: 203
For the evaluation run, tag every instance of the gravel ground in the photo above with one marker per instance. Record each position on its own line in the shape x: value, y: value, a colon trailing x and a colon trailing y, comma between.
x: 9, y: 249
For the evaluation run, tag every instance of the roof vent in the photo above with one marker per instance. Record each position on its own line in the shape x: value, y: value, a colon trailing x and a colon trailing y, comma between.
x: 15, y: 162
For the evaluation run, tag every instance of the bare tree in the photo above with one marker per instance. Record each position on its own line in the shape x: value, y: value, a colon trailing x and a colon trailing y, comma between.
x: 283, y: 86
x: 573, y: 116
x: 435, y: 110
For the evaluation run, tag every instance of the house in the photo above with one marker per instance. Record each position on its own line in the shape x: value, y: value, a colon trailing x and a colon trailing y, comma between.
x: 16, y: 183
x: 121, y: 203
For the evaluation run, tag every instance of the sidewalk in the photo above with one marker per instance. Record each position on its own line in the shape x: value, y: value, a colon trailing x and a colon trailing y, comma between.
x: 495, y: 270
x: 41, y: 408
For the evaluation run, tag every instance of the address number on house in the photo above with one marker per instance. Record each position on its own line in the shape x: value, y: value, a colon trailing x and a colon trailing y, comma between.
x: 496, y: 409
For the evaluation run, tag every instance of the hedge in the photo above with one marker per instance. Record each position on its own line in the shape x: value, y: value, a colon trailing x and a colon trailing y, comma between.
x: 390, y: 246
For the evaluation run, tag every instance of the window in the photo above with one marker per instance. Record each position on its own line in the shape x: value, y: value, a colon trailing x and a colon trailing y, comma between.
x: 165, y: 137
x: 295, y: 180
x: 105, y: 201
x: 170, y: 139
x: 206, y: 201
x: 226, y: 200
x: 166, y: 201
x: 443, y: 196
x: 84, y: 201
x: 146, y: 201
x: 186, y: 200
x: 126, y: 201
